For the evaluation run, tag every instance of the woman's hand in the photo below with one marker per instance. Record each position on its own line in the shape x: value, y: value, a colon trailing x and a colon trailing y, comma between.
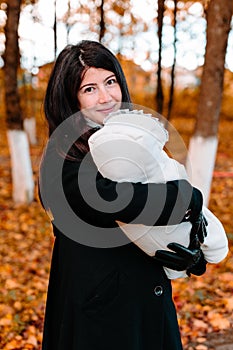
x: 191, y: 259
x: 181, y: 258
x: 199, y: 230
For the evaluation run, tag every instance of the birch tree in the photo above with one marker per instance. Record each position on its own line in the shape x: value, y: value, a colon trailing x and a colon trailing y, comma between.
x: 22, y: 178
x: 204, y: 142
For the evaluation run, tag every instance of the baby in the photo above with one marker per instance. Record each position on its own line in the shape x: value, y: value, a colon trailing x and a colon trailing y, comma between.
x: 129, y: 147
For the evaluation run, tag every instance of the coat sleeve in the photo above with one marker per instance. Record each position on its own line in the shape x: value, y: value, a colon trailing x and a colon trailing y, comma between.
x: 100, y: 201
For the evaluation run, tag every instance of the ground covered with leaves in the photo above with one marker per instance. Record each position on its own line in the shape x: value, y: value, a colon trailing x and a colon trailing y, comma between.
x: 204, y: 304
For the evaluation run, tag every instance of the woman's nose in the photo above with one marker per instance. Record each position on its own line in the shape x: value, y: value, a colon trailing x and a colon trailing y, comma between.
x: 104, y: 95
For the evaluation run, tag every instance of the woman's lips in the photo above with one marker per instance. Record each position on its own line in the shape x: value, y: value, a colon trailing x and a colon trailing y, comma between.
x: 106, y: 110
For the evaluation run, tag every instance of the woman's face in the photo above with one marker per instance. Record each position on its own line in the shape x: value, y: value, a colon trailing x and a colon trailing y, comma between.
x: 99, y: 94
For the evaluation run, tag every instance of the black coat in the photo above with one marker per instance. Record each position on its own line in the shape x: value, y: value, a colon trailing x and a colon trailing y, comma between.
x: 104, y: 292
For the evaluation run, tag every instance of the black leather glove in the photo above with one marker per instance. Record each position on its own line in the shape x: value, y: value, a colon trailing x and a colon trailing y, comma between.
x: 180, y: 258
x: 199, y: 268
x: 199, y: 228
x: 190, y: 259
x: 197, y: 233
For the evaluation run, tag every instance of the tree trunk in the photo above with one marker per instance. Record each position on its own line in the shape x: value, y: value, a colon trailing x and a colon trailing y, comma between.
x: 55, y: 29
x: 68, y: 26
x: 159, y: 92
x: 22, y: 178
x: 29, y: 120
x: 203, y: 144
x: 102, y: 22
x: 171, y: 92
x: 11, y: 62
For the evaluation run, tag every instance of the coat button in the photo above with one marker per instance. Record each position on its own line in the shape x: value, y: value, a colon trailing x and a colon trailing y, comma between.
x: 158, y: 291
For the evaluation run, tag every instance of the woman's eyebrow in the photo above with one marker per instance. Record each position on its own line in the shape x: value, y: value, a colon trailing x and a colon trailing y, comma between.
x: 94, y: 84
x: 110, y: 76
x: 88, y: 84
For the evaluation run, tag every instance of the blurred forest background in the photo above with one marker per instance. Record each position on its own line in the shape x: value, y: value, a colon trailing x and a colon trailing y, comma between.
x: 178, y: 60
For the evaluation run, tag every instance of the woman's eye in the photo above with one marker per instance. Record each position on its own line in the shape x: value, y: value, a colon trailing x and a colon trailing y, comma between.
x: 111, y: 81
x: 89, y: 89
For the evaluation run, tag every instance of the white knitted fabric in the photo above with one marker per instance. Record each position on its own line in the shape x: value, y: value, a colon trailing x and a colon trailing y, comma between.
x: 129, y: 147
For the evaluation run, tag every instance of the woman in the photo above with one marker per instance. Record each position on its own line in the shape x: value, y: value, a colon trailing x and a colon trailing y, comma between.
x: 104, y: 292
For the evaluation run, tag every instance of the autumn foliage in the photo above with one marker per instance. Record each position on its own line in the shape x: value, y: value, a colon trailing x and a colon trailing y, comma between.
x: 204, y: 304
